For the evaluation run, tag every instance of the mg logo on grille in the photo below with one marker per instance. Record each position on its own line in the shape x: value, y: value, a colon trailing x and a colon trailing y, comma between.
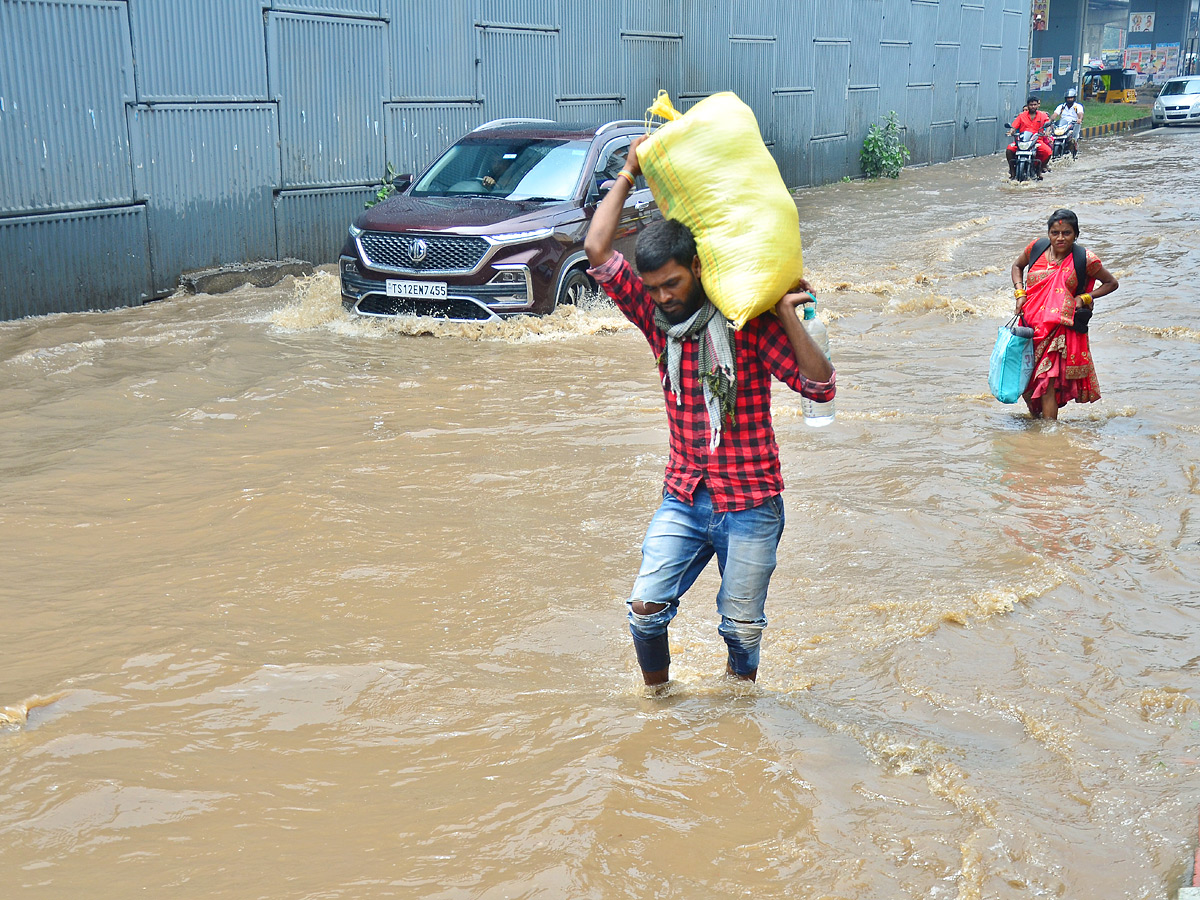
x: 418, y: 250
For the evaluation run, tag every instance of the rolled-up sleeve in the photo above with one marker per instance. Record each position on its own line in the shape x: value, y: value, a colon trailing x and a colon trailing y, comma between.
x: 777, y: 355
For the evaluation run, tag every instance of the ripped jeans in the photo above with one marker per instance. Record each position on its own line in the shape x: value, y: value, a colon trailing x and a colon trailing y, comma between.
x: 679, y: 543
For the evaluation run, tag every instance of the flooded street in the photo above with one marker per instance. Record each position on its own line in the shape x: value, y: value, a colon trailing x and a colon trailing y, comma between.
x: 297, y: 606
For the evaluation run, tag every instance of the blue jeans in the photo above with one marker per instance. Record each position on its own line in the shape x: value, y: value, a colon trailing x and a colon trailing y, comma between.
x: 679, y: 543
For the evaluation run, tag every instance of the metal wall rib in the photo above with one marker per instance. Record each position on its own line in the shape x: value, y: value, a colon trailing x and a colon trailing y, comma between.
x: 208, y: 182
x: 432, y: 57
x: 588, y: 45
x: 418, y: 132
x: 523, y: 13
x: 312, y: 223
x: 667, y: 16
x: 223, y: 59
x: 329, y: 7
x: 705, y: 55
x: 330, y: 113
x: 654, y: 63
x: 518, y: 72
x: 66, y: 72
x: 101, y: 261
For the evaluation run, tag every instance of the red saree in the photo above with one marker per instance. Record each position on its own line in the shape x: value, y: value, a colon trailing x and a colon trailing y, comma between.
x: 1062, y: 357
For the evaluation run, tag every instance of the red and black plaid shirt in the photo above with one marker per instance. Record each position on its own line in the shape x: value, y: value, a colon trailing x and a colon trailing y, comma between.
x: 743, y: 471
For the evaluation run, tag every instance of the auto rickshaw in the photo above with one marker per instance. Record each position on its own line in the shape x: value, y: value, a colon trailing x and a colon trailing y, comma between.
x: 1110, y: 85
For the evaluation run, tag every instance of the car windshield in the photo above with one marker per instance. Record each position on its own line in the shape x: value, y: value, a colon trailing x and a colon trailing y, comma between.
x: 1181, y: 86
x: 513, y: 169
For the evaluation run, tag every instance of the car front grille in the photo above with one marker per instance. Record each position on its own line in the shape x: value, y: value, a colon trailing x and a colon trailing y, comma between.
x: 445, y: 254
x: 456, y: 309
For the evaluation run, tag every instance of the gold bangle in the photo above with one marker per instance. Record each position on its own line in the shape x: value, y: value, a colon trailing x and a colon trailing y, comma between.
x: 1085, y: 299
x: 628, y: 175
x: 1018, y: 292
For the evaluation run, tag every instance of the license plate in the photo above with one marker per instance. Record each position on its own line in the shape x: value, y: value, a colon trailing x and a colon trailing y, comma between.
x: 417, y: 290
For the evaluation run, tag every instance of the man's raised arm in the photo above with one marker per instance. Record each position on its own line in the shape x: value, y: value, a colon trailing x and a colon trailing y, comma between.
x: 599, y: 241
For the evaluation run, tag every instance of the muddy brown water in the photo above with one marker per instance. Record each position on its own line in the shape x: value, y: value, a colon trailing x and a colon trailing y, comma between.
x: 297, y: 606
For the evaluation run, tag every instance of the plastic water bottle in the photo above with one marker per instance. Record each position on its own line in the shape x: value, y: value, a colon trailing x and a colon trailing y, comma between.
x: 816, y: 414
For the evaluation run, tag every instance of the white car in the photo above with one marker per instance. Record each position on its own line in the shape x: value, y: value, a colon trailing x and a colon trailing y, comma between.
x: 1178, y: 103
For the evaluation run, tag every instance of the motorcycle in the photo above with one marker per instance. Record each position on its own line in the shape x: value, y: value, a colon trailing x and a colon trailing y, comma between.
x: 1026, y: 156
x: 1063, y: 137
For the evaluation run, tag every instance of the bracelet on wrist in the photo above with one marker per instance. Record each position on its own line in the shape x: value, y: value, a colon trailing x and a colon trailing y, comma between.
x: 628, y: 175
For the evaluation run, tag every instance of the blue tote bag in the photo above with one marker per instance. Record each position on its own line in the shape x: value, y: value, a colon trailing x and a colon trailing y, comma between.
x: 1012, y: 361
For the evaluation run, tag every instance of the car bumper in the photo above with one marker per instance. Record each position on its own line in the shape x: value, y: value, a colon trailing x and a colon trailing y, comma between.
x: 463, y: 302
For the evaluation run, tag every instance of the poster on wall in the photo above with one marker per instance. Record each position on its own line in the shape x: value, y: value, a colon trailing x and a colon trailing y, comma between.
x: 1064, y: 64
x: 1137, y: 57
x: 1142, y: 21
x: 1041, y: 14
x: 1041, y: 73
x: 1164, y: 63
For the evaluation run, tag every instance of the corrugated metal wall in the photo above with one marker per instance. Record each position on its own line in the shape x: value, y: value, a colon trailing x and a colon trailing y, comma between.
x: 142, y: 138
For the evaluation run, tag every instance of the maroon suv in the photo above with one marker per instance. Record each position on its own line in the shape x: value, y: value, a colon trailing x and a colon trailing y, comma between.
x: 495, y: 226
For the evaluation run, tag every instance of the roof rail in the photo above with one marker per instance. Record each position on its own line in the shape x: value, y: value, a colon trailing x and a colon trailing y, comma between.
x: 497, y: 122
x: 619, y: 123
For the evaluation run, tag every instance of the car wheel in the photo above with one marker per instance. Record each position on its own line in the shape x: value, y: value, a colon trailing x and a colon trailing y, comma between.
x: 575, y: 288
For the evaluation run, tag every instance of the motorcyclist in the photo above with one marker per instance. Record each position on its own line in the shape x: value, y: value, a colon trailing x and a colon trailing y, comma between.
x: 1070, y: 111
x: 1032, y: 119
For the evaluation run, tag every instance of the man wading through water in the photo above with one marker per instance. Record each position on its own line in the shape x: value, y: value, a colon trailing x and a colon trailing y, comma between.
x: 723, y: 481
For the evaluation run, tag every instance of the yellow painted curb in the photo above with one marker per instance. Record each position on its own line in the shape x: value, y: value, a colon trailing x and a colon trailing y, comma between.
x: 1115, y: 127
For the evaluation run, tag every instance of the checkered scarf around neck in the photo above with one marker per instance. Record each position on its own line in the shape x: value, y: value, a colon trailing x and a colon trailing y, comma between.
x: 714, y: 363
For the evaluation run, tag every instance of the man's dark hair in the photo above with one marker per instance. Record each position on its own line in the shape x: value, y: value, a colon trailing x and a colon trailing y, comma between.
x: 1064, y: 215
x: 1031, y: 98
x: 661, y: 242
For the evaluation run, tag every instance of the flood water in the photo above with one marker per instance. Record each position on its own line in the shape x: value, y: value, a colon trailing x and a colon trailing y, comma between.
x: 297, y: 606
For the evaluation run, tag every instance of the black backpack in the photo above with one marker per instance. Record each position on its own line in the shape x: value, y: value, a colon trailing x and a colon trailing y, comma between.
x: 1079, y: 258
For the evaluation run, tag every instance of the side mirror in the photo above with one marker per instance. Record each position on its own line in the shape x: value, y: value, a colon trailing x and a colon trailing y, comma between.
x: 402, y: 182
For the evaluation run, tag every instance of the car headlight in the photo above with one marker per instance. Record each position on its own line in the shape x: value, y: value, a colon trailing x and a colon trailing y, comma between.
x: 355, y: 231
x: 517, y: 237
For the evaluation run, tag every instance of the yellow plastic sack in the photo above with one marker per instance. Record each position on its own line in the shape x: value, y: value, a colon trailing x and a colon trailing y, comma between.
x: 709, y: 169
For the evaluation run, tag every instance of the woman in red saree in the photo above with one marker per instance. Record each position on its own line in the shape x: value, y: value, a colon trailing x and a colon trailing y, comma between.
x: 1048, y: 298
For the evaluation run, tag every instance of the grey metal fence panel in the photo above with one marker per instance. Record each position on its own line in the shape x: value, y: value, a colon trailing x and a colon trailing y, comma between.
x: 944, y: 86
x: 941, y: 141
x: 589, y: 111
x: 794, y: 127
x: 654, y: 63
x: 949, y: 19
x: 829, y: 159
x: 971, y: 38
x: 1015, y: 31
x: 328, y: 7
x: 417, y: 133
x: 796, y: 24
x: 990, y: 67
x: 896, y: 20
x: 589, y: 45
x: 705, y: 50
x: 833, y: 21
x: 432, y: 56
x: 893, y: 85
x: 223, y: 59
x: 753, y: 62
x: 208, y: 188
x: 526, y: 13
x: 312, y: 224
x: 101, y: 261
x: 330, y: 113
x: 66, y: 72
x: 747, y: 18
x: 666, y: 17
x: 919, y: 115
x: 832, y: 64
x: 519, y: 71
x: 966, y: 129
x: 864, y: 49
x: 924, y: 33
x: 862, y: 111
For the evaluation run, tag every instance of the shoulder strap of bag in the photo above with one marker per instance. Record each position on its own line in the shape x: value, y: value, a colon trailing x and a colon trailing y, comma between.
x: 1078, y: 257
